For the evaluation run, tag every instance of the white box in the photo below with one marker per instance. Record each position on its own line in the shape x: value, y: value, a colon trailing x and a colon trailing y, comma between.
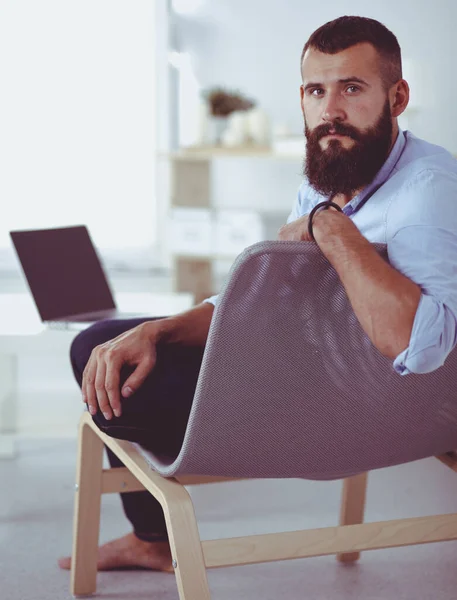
x: 235, y: 230
x: 190, y: 231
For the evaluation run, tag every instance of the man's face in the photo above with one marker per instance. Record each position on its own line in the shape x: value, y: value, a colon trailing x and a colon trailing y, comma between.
x: 348, y: 121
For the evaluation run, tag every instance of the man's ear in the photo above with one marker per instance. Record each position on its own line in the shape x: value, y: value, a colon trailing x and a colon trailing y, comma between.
x: 302, y: 94
x: 399, y: 97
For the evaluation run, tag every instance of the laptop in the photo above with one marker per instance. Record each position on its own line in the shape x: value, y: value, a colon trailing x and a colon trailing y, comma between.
x: 65, y: 276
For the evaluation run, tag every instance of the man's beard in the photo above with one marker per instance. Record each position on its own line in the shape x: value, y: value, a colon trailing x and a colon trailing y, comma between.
x: 338, y: 170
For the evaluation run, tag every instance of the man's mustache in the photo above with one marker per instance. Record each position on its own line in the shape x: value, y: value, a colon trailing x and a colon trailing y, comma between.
x: 336, y: 128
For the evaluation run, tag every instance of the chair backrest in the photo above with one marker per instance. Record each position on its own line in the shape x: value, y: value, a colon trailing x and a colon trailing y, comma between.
x: 291, y: 386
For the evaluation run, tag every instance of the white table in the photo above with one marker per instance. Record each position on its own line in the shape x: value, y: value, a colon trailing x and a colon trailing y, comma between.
x: 23, y: 334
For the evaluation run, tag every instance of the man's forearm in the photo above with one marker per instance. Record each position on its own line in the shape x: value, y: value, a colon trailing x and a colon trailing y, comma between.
x: 384, y: 301
x: 189, y: 328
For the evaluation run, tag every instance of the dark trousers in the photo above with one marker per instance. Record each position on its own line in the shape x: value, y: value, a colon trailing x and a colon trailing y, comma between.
x: 155, y: 416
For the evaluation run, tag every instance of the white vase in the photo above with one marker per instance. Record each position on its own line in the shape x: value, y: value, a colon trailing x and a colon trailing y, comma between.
x: 236, y: 133
x: 215, y: 128
x: 258, y: 125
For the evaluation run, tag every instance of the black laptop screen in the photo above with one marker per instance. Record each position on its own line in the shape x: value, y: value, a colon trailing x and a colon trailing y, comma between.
x: 63, y: 271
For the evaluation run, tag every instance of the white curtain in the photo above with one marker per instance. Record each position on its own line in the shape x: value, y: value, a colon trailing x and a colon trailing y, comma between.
x: 77, y: 122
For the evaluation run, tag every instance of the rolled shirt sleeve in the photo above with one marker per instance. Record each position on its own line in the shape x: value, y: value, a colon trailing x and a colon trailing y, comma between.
x: 432, y: 338
x: 424, y: 248
x: 212, y: 299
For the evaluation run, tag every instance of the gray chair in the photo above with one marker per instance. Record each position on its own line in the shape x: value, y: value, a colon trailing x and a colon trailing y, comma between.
x: 290, y: 386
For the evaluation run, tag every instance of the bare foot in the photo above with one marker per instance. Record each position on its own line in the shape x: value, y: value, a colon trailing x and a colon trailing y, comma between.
x: 130, y: 552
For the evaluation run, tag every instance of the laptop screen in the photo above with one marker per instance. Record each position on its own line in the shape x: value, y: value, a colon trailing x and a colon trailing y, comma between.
x: 63, y: 271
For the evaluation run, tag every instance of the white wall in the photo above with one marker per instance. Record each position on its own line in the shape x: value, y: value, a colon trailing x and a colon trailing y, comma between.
x: 77, y: 120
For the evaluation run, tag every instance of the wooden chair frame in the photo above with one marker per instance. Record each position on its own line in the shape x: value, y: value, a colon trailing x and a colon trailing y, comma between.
x: 190, y: 555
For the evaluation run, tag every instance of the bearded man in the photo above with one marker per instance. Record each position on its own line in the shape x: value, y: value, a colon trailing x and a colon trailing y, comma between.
x: 365, y: 181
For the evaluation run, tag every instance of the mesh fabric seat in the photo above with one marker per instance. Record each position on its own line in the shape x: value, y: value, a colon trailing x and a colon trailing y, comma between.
x: 291, y: 386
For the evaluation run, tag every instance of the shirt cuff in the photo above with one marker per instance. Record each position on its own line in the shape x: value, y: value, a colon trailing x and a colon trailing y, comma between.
x: 432, y: 338
x: 212, y: 300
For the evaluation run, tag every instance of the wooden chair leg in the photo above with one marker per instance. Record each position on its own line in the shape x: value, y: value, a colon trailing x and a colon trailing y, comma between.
x: 86, y: 523
x: 353, y: 508
x: 186, y: 548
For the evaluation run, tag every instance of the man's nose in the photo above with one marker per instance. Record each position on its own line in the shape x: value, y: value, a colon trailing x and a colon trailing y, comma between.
x: 333, y: 110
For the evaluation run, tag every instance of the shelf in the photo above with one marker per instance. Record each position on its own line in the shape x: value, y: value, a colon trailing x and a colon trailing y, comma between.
x: 191, y: 188
x: 220, y: 152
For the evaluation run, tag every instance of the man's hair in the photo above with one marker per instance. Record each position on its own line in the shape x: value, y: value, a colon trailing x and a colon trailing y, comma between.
x: 344, y: 32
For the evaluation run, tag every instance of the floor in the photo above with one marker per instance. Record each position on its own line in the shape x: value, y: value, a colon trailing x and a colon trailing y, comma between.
x: 36, y: 501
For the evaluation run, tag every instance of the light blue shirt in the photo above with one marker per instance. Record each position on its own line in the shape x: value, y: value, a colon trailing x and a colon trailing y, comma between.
x: 411, y: 206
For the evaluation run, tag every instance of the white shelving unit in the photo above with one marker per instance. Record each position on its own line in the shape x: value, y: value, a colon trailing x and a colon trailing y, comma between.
x: 201, y: 233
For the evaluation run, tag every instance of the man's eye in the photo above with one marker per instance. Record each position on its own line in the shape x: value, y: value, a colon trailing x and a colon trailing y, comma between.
x: 317, y: 92
x: 352, y: 89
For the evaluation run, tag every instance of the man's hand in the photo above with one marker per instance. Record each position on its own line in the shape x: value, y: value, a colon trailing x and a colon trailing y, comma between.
x: 101, y: 378
x: 297, y: 231
x: 137, y: 348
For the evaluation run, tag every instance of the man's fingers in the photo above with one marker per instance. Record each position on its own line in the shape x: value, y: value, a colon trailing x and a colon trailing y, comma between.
x: 102, y: 396
x: 101, y: 378
x: 88, y: 386
x: 112, y: 384
x: 137, y: 377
